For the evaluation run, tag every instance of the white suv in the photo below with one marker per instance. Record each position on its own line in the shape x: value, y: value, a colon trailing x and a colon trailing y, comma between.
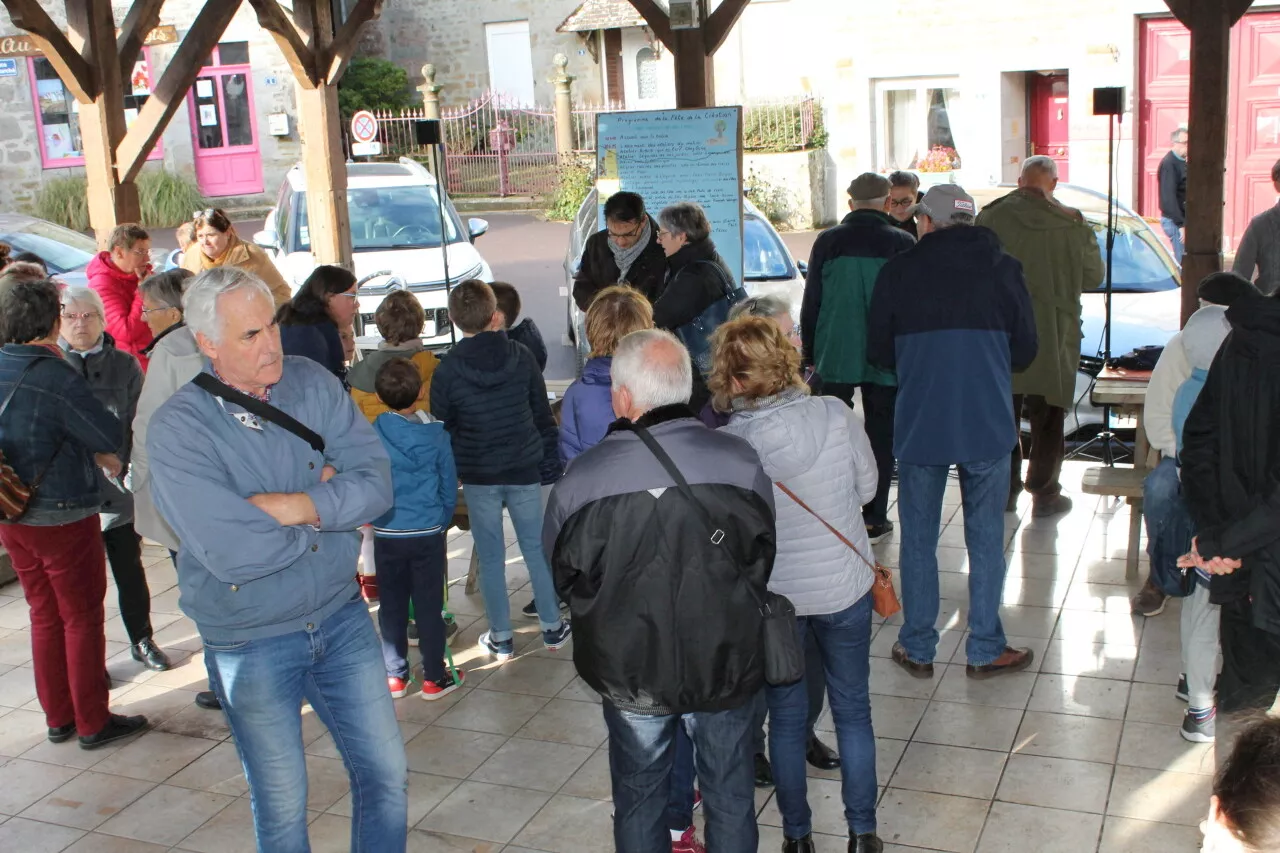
x: 395, y: 227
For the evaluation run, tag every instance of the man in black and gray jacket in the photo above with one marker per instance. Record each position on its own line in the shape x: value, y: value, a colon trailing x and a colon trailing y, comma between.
x: 666, y: 625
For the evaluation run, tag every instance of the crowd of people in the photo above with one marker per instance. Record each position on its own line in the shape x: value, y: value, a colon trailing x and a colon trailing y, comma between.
x: 698, y: 509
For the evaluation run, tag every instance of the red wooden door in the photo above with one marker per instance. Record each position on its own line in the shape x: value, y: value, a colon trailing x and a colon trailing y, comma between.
x: 1050, y: 120
x: 1253, y: 130
x: 1164, y: 81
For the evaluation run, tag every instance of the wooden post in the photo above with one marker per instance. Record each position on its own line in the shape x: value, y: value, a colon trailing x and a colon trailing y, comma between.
x: 562, y: 80
x: 92, y: 30
x: 320, y: 123
x: 694, y: 48
x: 430, y: 93
x: 1210, y: 25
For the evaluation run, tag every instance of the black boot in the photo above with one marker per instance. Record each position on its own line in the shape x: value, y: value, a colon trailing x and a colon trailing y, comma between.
x: 799, y: 845
x: 764, y: 773
x: 208, y: 700
x: 867, y: 842
x: 118, y: 726
x: 150, y: 655
x: 820, y: 755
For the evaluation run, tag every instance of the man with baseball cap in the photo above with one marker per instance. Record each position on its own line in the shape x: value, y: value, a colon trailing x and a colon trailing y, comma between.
x: 1060, y: 258
x: 833, y: 322
x: 952, y: 317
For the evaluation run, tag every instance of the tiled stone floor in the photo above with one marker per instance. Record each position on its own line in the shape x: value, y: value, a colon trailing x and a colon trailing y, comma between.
x: 1081, y: 754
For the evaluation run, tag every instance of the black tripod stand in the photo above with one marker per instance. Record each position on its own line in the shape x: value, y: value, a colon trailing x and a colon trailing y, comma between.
x: 1108, y: 102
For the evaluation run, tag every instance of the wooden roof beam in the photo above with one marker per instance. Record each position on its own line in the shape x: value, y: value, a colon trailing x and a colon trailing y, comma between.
x: 301, y: 58
x: 657, y: 19
x: 168, y: 94
x: 143, y: 17
x: 717, y: 26
x: 73, y: 69
x: 338, y: 54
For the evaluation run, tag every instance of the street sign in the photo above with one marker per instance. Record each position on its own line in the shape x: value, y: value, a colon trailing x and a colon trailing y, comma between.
x: 364, y: 127
x: 8, y: 68
x: 366, y: 149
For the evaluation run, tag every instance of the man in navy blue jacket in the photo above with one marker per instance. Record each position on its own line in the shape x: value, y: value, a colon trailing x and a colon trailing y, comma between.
x: 953, y: 317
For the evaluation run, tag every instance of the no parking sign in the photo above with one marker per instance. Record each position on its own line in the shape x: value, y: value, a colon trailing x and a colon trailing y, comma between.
x: 364, y: 130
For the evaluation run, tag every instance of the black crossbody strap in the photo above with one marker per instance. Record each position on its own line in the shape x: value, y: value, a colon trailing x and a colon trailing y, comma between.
x: 266, y: 411
x: 717, y: 535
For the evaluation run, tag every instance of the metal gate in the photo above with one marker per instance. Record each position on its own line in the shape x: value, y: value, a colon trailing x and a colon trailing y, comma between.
x: 497, y: 147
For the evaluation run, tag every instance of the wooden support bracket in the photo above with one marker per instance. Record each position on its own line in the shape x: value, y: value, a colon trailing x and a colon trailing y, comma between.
x: 716, y: 28
x: 74, y: 70
x: 657, y: 19
x: 169, y: 92
x: 301, y: 57
x: 143, y: 17
x: 338, y: 54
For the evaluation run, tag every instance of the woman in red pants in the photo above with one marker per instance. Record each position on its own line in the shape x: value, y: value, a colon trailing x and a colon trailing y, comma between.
x: 53, y: 433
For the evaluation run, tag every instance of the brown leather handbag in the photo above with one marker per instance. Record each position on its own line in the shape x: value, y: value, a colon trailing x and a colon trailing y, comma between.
x: 884, y: 600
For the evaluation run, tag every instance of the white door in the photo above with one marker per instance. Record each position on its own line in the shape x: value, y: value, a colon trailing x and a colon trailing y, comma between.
x: 510, y: 60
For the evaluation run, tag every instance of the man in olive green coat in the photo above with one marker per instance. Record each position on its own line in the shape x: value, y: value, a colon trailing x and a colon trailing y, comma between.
x: 1060, y: 258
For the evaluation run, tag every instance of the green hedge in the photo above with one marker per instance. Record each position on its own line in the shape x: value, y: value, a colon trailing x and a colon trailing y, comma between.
x: 166, y: 200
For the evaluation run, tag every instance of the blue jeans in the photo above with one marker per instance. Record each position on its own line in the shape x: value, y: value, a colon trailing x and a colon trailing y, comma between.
x: 1174, y: 233
x: 338, y: 669
x: 524, y: 503
x: 642, y: 749
x: 1169, y: 525
x: 984, y: 490
x: 844, y: 640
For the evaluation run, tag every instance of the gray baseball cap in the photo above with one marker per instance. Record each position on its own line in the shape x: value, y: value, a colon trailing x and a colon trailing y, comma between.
x: 943, y: 201
x: 868, y: 187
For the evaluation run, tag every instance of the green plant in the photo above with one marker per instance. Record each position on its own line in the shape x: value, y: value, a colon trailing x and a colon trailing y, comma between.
x: 575, y: 179
x: 64, y: 201
x: 166, y: 200
x: 773, y: 200
x: 374, y: 84
x: 775, y: 128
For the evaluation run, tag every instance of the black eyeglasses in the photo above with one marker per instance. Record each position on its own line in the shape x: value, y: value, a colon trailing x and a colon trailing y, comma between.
x: 901, y: 202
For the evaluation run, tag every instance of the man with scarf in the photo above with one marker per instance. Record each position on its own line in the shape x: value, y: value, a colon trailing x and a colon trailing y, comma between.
x: 625, y: 252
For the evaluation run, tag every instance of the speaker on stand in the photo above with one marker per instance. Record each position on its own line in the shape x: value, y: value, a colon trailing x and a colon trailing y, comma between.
x: 426, y: 132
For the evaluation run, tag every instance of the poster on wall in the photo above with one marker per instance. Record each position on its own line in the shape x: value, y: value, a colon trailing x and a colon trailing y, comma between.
x: 204, y: 89
x: 669, y: 156
x: 57, y: 142
x: 208, y: 115
x: 53, y: 97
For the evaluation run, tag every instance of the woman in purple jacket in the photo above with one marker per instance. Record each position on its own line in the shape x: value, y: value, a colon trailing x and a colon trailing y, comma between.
x: 587, y: 409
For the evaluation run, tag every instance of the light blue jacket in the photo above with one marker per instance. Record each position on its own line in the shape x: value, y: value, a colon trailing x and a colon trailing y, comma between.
x: 423, y: 475
x: 242, y: 576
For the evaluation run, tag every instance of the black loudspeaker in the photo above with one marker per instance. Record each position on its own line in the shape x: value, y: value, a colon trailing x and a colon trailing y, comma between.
x: 1108, y: 101
x: 427, y: 131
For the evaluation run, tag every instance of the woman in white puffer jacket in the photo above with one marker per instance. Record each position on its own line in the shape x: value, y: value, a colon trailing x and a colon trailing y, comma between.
x: 816, y: 447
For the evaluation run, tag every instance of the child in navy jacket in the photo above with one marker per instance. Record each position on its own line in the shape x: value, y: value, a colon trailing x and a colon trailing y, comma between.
x: 409, y: 540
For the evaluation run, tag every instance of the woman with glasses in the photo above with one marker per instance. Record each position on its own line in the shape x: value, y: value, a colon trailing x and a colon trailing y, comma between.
x: 116, y: 381
x: 309, y: 322
x: 218, y: 245
x: 114, y: 276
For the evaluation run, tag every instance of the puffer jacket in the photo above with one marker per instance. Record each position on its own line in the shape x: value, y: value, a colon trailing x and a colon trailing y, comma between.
x: 819, y: 449
x: 122, y: 305
x: 587, y: 409
x: 175, y: 361
x: 362, y: 374
x: 492, y: 399
x: 116, y: 380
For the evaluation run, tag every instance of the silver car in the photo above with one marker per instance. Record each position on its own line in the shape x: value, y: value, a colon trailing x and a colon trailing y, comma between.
x: 65, y: 252
x: 768, y: 266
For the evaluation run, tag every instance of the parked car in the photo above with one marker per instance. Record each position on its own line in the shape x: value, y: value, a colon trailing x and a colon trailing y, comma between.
x: 395, y: 227
x: 65, y: 252
x: 768, y: 266
x: 1146, y: 297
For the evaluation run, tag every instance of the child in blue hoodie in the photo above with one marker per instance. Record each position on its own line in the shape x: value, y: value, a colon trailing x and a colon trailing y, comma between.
x: 409, y: 540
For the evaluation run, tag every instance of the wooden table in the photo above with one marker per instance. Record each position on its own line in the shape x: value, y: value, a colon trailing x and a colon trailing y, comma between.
x: 1125, y: 392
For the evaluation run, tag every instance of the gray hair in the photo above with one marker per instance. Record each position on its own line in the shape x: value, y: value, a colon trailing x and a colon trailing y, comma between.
x: 654, y: 366
x: 769, y: 306
x: 1040, y: 164
x: 687, y: 218
x: 870, y: 203
x: 200, y: 300
x: 167, y: 287
x: 956, y: 219
x: 84, y: 296
x: 1180, y: 130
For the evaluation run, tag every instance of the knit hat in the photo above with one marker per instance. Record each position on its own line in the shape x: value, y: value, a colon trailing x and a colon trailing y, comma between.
x: 1224, y: 288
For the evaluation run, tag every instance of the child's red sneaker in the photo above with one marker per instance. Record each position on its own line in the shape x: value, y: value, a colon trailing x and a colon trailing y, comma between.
x: 432, y: 690
x: 399, y: 687
x: 368, y: 588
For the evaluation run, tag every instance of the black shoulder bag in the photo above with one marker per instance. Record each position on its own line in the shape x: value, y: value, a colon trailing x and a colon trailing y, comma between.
x: 266, y: 411
x: 696, y: 334
x: 783, y: 652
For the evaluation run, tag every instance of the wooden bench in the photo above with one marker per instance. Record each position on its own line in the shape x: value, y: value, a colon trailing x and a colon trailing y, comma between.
x: 1122, y: 483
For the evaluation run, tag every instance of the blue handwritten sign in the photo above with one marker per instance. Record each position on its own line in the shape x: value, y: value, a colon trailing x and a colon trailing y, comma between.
x: 678, y: 155
x: 8, y: 68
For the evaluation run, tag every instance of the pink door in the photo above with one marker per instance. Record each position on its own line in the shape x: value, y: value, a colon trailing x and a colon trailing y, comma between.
x: 224, y: 127
x: 1253, y: 131
x: 1164, y: 87
x: 1050, y: 121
